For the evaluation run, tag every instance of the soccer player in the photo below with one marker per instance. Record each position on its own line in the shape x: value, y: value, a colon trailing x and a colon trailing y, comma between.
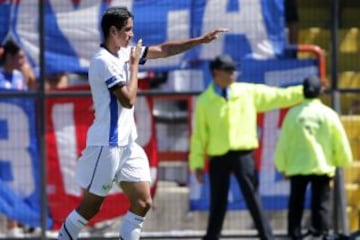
x: 111, y: 155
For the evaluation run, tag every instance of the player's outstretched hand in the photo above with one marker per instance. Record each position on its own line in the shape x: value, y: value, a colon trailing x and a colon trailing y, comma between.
x: 209, y: 37
x: 135, y: 52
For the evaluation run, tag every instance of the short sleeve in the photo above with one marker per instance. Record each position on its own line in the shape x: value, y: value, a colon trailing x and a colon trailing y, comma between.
x: 113, y: 74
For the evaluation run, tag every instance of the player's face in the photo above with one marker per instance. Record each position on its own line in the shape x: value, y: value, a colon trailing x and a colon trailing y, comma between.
x: 125, y: 34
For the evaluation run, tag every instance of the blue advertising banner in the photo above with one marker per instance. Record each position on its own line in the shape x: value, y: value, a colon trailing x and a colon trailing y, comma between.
x: 19, y: 161
x: 73, y: 34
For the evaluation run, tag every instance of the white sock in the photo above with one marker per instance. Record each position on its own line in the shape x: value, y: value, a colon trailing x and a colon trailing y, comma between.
x: 72, y: 226
x: 131, y: 226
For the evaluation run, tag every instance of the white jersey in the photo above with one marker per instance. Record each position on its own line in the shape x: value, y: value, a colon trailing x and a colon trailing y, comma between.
x: 113, y: 125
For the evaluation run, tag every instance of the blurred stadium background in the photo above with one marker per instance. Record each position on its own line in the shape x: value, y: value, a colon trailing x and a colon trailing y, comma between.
x: 42, y: 131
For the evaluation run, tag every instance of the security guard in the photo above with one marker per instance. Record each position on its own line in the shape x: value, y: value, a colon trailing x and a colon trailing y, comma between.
x: 225, y: 129
x: 312, y: 143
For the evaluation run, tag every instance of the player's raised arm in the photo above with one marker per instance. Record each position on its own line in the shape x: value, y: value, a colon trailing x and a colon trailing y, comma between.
x: 127, y: 93
x: 171, y: 48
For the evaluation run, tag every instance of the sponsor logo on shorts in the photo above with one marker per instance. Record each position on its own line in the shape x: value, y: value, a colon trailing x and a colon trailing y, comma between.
x: 106, y: 187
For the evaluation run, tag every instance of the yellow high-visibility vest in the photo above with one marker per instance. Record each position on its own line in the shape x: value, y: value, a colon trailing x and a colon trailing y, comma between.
x: 312, y: 141
x: 220, y: 125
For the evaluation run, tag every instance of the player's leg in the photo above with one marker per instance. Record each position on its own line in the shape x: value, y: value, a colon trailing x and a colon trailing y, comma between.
x: 139, y: 196
x: 95, y: 173
x: 79, y: 217
x: 134, y: 177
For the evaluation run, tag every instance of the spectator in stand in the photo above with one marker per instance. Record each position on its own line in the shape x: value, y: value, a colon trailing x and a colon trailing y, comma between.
x: 312, y: 143
x: 15, y: 64
x: 28, y: 72
x: 15, y: 74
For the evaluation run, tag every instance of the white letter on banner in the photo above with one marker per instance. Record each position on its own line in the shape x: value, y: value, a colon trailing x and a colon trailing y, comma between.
x: 125, y: 3
x: 87, y: 36
x: 64, y: 126
x: 86, y: 25
x: 248, y: 21
x: 85, y: 40
x: 15, y: 149
x: 178, y: 26
x: 27, y: 27
x: 268, y: 184
x: 143, y: 121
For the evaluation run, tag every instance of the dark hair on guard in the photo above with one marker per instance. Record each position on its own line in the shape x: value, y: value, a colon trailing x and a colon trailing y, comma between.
x: 312, y: 87
x: 114, y: 16
x: 223, y: 62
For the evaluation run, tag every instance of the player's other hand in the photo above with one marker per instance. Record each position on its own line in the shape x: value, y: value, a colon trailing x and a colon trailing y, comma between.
x: 209, y: 37
x: 135, y: 52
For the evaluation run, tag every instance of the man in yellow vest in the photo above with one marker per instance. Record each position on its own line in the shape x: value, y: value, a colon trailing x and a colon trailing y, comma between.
x: 312, y: 143
x: 225, y: 130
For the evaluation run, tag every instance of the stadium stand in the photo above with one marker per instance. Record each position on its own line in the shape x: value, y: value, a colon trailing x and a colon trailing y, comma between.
x: 352, y: 174
x: 315, y: 28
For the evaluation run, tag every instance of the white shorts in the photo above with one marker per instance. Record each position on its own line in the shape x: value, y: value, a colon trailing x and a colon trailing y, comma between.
x: 101, y: 166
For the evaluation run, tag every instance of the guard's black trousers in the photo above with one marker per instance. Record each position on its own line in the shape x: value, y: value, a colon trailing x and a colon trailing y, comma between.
x: 320, y: 204
x: 242, y: 164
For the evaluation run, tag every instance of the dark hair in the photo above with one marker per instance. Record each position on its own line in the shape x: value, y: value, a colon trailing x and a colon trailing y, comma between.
x: 10, y: 47
x: 312, y: 87
x: 114, y: 16
x: 224, y: 62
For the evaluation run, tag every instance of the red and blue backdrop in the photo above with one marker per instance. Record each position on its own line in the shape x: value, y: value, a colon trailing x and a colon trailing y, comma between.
x: 72, y: 35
